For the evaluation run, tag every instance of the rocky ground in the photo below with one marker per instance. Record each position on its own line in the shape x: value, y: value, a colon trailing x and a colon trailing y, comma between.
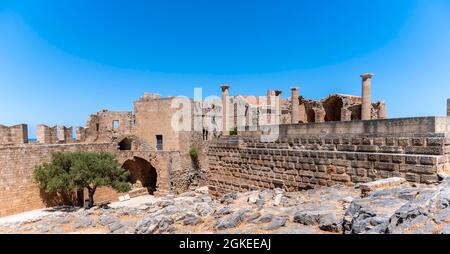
x: 332, y: 210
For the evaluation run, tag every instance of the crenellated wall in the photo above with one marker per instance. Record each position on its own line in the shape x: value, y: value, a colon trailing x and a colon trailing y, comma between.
x: 58, y: 134
x: 17, y: 134
x: 309, y: 155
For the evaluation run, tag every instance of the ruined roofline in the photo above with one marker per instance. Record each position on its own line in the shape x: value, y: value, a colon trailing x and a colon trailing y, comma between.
x: 109, y: 111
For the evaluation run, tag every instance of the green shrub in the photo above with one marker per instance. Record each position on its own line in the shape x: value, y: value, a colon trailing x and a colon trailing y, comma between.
x: 193, y: 152
x: 234, y: 131
x: 68, y: 172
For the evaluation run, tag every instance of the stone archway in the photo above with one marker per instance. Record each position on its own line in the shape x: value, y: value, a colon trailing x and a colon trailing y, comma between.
x: 333, y: 108
x: 142, y: 174
x: 310, y: 115
x: 125, y: 144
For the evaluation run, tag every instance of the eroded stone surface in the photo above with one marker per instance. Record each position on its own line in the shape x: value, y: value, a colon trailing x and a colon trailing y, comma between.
x: 331, y: 210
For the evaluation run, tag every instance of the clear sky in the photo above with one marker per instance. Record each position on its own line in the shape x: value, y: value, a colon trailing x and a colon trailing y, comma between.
x: 63, y: 60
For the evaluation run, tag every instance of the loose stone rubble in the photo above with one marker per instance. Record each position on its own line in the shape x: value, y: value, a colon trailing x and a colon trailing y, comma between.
x: 392, y: 208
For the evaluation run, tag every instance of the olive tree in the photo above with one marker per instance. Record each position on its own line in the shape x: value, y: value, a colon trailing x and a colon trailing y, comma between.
x: 69, y: 172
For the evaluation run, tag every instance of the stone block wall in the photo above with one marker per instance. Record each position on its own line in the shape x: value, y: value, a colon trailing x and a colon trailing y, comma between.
x: 17, y: 163
x: 17, y: 134
x: 105, y: 125
x: 154, y: 117
x: 80, y: 134
x: 18, y: 191
x: 302, y: 161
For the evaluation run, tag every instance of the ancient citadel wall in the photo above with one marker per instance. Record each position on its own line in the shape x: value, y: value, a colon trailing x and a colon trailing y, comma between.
x: 20, y: 193
x: 309, y: 155
x: 17, y: 163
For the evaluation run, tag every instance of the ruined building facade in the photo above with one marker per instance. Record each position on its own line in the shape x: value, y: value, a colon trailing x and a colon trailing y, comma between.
x: 296, y: 109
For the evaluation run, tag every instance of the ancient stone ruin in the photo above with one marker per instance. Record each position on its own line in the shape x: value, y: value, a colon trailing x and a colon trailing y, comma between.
x: 339, y: 140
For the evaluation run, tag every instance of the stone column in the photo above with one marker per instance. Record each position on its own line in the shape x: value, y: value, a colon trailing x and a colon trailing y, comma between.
x: 225, y: 113
x: 270, y: 95
x: 278, y: 106
x: 448, y: 107
x: 295, y: 117
x: 366, y: 106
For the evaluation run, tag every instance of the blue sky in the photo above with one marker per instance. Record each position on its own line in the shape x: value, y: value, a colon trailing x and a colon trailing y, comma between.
x: 62, y: 60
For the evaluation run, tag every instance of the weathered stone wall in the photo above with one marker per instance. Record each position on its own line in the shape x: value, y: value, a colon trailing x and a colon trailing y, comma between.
x: 154, y: 117
x: 17, y: 163
x: 17, y: 134
x: 19, y: 192
x: 304, y: 156
x: 58, y: 134
x: 187, y: 171
x: 104, y: 125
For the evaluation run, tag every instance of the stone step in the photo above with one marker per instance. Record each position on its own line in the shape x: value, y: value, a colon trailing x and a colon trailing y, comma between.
x: 138, y: 192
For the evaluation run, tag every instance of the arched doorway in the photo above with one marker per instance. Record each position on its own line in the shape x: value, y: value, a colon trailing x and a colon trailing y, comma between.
x: 142, y: 174
x: 125, y: 144
x: 333, y: 107
x: 356, y: 112
x: 310, y: 115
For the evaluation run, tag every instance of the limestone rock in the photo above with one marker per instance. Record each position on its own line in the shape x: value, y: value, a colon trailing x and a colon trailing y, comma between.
x: 230, y: 221
x: 381, y: 184
x: 202, y: 190
x: 228, y: 198
x: 277, y: 222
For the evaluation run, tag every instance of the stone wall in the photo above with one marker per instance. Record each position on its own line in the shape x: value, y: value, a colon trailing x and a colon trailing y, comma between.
x: 17, y: 134
x: 17, y: 163
x: 154, y: 117
x: 104, y: 125
x: 309, y: 155
x: 58, y: 134
x: 19, y: 192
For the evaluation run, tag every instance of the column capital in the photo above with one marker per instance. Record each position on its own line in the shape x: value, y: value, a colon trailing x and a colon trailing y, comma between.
x: 294, y: 88
x: 367, y: 75
x: 224, y: 87
x: 278, y: 92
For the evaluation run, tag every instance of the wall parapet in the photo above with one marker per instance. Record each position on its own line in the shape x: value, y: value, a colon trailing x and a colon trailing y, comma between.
x: 393, y: 126
x: 17, y: 134
x: 54, y: 135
